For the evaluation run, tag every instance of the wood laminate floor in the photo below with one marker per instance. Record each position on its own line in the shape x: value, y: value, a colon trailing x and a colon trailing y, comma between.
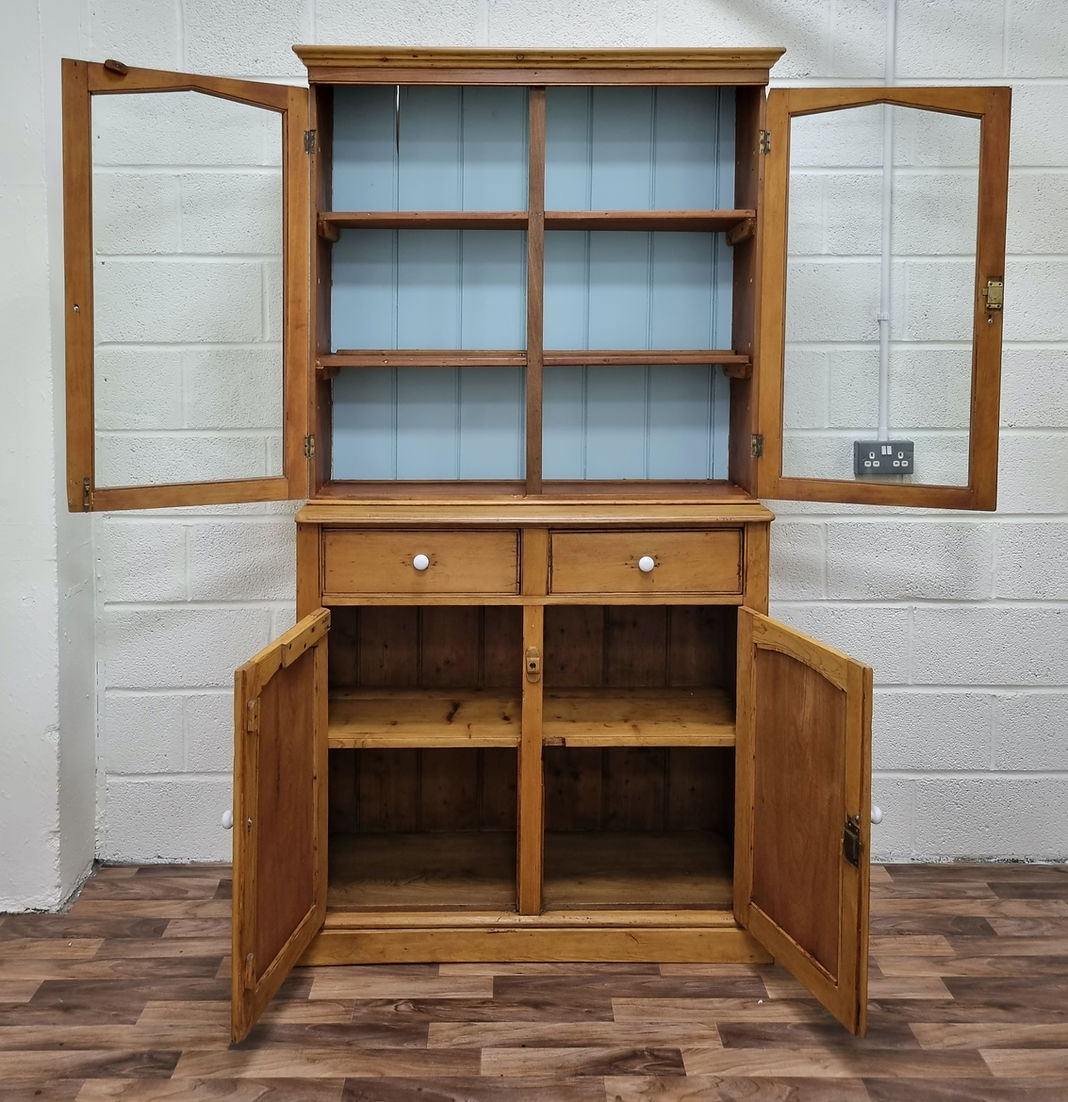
x: 125, y: 997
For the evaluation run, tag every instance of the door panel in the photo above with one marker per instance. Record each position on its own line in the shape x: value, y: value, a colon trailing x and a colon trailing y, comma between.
x: 186, y: 214
x: 280, y: 779
x: 884, y: 227
x: 804, y: 772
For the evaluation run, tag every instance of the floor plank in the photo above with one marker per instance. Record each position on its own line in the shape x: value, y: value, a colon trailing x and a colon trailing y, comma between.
x: 126, y: 996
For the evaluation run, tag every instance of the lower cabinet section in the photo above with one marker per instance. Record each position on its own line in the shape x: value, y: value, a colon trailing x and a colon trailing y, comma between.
x: 601, y: 777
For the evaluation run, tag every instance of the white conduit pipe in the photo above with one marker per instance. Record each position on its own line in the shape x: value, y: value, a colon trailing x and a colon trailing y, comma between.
x: 887, y: 218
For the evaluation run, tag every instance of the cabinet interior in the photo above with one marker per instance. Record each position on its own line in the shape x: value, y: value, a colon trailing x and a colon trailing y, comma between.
x: 637, y: 732
x: 531, y: 286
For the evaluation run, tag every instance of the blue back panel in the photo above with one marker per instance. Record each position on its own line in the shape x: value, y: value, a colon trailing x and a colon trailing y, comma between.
x: 429, y: 289
x: 669, y: 148
x: 608, y: 289
x: 429, y: 423
x: 657, y: 421
x: 437, y: 149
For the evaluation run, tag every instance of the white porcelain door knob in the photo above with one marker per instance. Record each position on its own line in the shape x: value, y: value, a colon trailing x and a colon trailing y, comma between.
x: 876, y: 813
x: 420, y: 562
x: 646, y: 564
x: 228, y: 819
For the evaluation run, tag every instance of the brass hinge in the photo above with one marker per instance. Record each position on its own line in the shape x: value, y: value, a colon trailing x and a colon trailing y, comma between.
x: 757, y: 445
x: 87, y: 496
x: 252, y: 716
x: 994, y: 293
x: 851, y: 843
x: 765, y: 141
x: 533, y: 664
x: 309, y: 141
x: 309, y: 446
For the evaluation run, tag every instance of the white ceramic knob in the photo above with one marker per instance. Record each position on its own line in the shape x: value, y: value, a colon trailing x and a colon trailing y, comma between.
x: 646, y: 564
x: 876, y: 813
x: 420, y: 562
x: 228, y: 819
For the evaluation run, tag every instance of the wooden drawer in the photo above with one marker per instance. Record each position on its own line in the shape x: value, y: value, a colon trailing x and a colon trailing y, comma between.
x: 708, y: 561
x: 383, y: 562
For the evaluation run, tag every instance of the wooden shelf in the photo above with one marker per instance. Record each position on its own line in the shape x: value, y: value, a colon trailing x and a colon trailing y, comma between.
x: 637, y: 869
x: 331, y: 223
x: 437, y: 719
x: 697, y: 221
x: 440, y: 871
x: 590, y: 357
x: 419, y: 357
x: 737, y: 224
x: 638, y: 717
x: 736, y: 364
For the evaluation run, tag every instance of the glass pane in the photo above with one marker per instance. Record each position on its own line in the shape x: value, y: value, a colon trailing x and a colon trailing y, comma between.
x: 187, y: 237
x: 883, y: 215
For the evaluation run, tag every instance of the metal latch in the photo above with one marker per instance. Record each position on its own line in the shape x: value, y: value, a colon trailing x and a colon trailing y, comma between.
x: 994, y: 293
x: 851, y: 843
x: 533, y: 664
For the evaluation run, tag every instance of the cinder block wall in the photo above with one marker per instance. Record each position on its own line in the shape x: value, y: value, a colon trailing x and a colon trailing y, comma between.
x: 964, y: 618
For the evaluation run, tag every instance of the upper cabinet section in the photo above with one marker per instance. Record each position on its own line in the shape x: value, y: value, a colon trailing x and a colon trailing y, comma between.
x: 621, y: 273
x: 528, y: 266
x: 884, y: 265
x: 186, y: 214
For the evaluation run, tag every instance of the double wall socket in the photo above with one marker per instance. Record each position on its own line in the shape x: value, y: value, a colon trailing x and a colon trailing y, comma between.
x: 882, y: 457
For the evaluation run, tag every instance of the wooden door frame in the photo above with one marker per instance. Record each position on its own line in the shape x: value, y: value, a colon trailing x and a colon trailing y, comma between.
x: 845, y: 993
x: 991, y: 107
x: 254, y: 982
x: 81, y: 81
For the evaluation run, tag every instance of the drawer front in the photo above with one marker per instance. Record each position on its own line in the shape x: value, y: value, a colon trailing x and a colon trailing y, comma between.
x: 387, y: 562
x: 647, y: 562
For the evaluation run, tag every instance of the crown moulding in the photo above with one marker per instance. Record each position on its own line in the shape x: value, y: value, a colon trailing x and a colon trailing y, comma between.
x: 378, y: 57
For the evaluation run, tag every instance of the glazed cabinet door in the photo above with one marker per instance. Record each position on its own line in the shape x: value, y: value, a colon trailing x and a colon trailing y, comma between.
x: 280, y: 803
x: 882, y: 295
x: 186, y: 214
x: 803, y: 809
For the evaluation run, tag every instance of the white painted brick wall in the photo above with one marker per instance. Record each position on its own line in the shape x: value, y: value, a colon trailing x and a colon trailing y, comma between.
x: 964, y: 618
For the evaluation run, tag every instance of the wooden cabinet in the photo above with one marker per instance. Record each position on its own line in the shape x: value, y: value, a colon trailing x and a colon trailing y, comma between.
x: 550, y: 322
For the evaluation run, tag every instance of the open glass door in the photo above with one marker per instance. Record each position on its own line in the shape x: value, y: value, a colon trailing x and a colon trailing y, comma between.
x: 881, y: 308
x: 186, y: 214
x: 280, y: 803
x: 803, y: 810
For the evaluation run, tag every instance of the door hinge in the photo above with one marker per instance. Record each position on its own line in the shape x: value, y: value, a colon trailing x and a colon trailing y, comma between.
x: 851, y: 843
x: 309, y: 141
x: 87, y: 496
x: 309, y: 446
x: 994, y: 293
x: 757, y: 445
x: 765, y: 141
x: 533, y: 664
x: 252, y: 716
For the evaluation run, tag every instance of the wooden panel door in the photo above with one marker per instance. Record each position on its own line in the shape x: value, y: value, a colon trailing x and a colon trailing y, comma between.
x: 881, y: 295
x: 182, y: 340
x: 280, y: 805
x: 803, y: 809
